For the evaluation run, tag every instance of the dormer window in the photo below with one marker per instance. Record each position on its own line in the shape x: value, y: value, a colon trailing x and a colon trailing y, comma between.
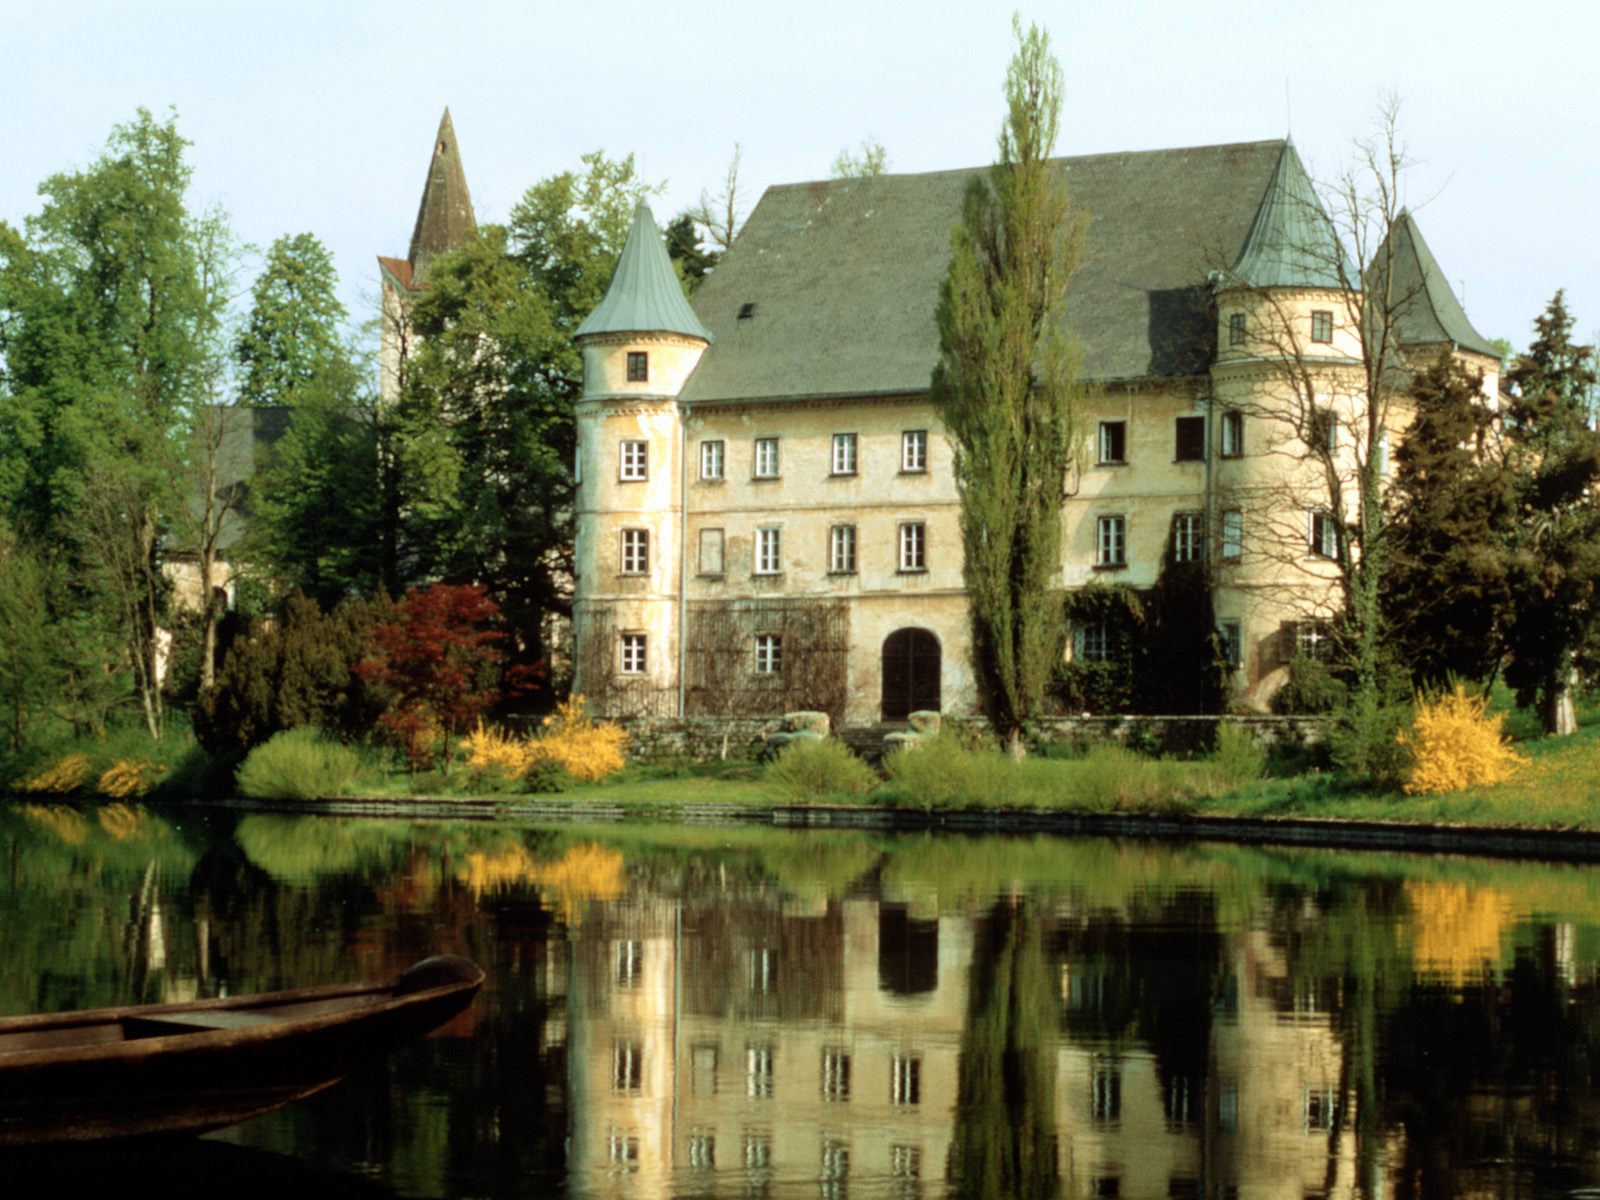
x: 747, y: 310
x: 638, y: 366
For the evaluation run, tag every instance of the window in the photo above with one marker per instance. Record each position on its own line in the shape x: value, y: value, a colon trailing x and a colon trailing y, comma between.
x: 711, y: 543
x: 1322, y: 533
x: 913, y: 546
x: 633, y: 653
x: 627, y: 1067
x: 711, y: 458
x: 1319, y: 1109
x: 635, y: 551
x: 1191, y: 439
x: 1236, y: 329
x: 1228, y: 633
x: 1322, y: 327
x: 844, y: 454
x: 634, y: 459
x: 638, y: 366
x: 1324, y: 432
x: 763, y: 962
x: 1099, y: 642
x: 835, y: 1170
x: 766, y: 458
x: 1188, y: 537
x: 630, y: 963
x: 905, y: 1163
x: 905, y: 1079
x: 1105, y: 1092
x: 1312, y: 639
x: 769, y: 654
x: 1113, y: 442
x: 624, y: 1153
x: 757, y: 1156
x: 842, y: 550
x: 835, y: 1075
x: 1232, y: 533
x: 769, y: 542
x: 758, y: 1072
x: 1180, y: 1098
x: 914, y: 450
x: 1111, y: 542
x: 703, y: 1069
x: 702, y: 1152
x: 1228, y: 1106
x: 1232, y: 434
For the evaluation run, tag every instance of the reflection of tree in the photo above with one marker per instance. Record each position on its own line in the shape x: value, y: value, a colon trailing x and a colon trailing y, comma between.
x: 1005, y: 1121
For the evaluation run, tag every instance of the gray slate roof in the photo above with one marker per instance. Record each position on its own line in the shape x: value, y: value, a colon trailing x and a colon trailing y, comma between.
x: 1427, y: 311
x: 444, y: 218
x: 644, y: 294
x: 1291, y: 241
x: 845, y: 274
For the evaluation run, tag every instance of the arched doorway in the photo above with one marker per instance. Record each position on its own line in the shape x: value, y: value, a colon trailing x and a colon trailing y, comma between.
x: 910, y: 673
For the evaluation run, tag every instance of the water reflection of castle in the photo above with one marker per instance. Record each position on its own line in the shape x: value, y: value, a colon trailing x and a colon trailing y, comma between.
x: 763, y: 1045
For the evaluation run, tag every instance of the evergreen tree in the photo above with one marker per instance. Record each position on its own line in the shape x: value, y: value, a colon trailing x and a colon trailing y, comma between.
x: 1004, y: 388
x: 1446, y: 589
x: 684, y: 248
x: 1554, y: 457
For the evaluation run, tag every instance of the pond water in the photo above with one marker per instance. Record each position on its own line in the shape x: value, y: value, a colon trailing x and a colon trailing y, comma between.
x: 675, y: 1012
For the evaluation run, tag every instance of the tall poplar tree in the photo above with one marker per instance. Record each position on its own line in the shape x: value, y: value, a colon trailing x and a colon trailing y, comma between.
x: 1005, y: 388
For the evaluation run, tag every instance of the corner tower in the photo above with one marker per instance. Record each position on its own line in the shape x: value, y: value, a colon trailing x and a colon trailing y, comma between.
x: 1286, y: 405
x: 444, y: 221
x: 640, y: 345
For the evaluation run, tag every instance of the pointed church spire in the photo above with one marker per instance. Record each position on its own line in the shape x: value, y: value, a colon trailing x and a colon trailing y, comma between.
x: 1291, y: 243
x: 444, y: 218
x: 645, y: 295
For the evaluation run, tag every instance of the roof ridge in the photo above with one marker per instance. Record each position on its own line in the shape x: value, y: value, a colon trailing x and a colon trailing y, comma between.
x: 1060, y: 158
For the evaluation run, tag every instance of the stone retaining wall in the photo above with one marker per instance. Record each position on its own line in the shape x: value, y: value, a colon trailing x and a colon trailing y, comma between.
x: 707, y: 739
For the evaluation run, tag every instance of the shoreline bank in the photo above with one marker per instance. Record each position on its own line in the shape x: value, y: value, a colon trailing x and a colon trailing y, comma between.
x: 1489, y: 841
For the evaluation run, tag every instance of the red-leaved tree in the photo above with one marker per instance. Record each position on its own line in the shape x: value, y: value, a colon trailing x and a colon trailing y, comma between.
x: 439, y: 657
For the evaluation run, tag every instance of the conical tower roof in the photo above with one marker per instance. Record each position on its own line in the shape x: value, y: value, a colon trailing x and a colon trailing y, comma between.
x: 1291, y: 243
x: 1426, y: 310
x: 444, y: 218
x: 645, y: 295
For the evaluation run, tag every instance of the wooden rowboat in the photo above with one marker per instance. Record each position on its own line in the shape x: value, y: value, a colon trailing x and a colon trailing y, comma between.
x: 187, y: 1068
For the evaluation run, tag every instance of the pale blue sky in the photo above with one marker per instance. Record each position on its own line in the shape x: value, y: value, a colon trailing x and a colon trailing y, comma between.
x: 319, y: 116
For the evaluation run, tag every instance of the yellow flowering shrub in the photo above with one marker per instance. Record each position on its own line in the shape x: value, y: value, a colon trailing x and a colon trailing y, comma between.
x: 572, y: 739
x: 64, y: 822
x: 120, y: 821
x: 488, y: 749
x: 61, y: 777
x: 1455, y: 744
x: 125, y: 778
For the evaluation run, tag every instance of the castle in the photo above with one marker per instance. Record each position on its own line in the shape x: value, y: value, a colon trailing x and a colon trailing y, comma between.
x: 767, y: 517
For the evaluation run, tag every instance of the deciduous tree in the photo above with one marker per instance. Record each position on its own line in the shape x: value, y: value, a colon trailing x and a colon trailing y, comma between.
x: 1005, y: 391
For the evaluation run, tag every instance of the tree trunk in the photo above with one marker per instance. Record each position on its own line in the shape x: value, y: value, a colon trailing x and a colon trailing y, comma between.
x: 1016, y: 748
x: 1558, y: 716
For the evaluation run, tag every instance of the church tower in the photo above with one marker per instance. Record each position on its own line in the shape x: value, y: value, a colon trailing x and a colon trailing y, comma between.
x: 444, y: 222
x: 640, y: 345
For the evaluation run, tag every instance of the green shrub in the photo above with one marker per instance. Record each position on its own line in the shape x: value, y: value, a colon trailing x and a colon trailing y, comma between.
x: 815, y: 770
x: 1311, y: 688
x: 1365, y: 744
x: 942, y: 773
x: 298, y: 764
x: 545, y: 776
x: 1239, y: 760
